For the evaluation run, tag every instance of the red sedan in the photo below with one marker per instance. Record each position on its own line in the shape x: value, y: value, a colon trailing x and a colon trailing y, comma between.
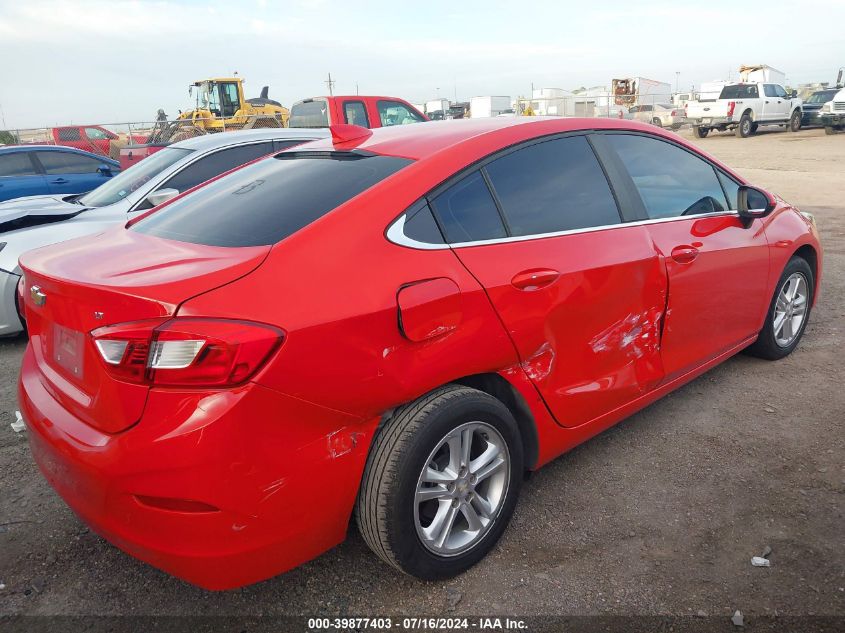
x: 394, y: 324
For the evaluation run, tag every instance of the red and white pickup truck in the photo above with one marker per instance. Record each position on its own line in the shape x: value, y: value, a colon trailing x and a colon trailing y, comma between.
x: 91, y: 138
x: 365, y: 111
x: 743, y: 107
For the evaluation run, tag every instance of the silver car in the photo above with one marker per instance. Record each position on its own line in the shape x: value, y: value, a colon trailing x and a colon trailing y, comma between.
x: 36, y: 221
x: 659, y: 114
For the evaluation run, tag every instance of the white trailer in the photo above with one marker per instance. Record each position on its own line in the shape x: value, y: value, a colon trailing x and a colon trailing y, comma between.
x: 481, y: 107
x: 760, y: 73
x: 437, y: 105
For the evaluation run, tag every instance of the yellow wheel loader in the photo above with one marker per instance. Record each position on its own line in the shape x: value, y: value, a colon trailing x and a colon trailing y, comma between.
x: 220, y: 107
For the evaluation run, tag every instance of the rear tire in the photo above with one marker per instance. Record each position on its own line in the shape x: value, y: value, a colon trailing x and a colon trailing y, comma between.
x: 700, y: 132
x: 783, y: 328
x: 411, y: 483
x: 795, y: 121
x: 744, y: 129
x: 657, y: 122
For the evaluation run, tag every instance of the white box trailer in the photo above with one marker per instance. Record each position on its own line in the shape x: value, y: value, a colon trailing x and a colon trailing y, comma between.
x: 481, y: 107
x: 436, y: 105
x: 761, y: 73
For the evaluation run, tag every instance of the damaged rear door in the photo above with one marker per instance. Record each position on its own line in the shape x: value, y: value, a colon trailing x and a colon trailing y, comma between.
x: 581, y: 294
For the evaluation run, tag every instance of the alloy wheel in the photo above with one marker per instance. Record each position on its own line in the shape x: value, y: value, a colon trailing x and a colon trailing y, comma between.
x: 461, y: 489
x: 790, y: 309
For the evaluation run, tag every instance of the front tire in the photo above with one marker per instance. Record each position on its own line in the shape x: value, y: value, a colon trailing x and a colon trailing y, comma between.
x: 788, y: 312
x: 441, y: 482
x: 795, y: 121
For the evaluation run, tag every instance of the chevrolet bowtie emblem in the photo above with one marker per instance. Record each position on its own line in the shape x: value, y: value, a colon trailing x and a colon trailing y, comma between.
x: 38, y: 297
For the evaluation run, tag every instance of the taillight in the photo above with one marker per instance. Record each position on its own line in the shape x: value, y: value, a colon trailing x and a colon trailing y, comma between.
x: 731, y: 106
x: 186, y: 352
x: 673, y: 113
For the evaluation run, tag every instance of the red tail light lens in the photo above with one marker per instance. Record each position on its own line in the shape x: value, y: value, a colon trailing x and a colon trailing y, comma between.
x: 731, y: 106
x: 186, y: 352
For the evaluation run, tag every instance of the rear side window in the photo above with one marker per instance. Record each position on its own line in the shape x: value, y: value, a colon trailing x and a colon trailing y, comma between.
x: 356, y: 113
x: 421, y: 226
x: 553, y: 186
x: 213, y: 165
x: 309, y: 114
x: 16, y: 164
x: 67, y: 163
x: 267, y: 201
x: 671, y: 181
x: 467, y: 212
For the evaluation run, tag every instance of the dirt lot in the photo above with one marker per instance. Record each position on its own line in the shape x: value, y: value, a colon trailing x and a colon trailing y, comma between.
x: 659, y: 516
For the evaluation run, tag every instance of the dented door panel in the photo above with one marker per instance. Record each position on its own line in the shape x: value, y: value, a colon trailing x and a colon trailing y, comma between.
x: 590, y: 339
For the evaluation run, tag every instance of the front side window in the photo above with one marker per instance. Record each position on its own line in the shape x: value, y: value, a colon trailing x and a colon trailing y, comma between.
x: 396, y: 113
x: 16, y: 164
x: 780, y: 92
x: 126, y: 182
x: 553, y: 186
x: 731, y: 188
x: 67, y: 163
x: 467, y: 211
x: 671, y: 181
x: 267, y: 201
x: 356, y: 113
x: 96, y: 134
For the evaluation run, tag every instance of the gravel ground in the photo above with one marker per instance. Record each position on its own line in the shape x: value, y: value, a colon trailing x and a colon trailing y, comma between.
x: 658, y: 516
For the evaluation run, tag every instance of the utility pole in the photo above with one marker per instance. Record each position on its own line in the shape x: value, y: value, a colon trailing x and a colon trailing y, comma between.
x: 677, y: 80
x: 330, y: 83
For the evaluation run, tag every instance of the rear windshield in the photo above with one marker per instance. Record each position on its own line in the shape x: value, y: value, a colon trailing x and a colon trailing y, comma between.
x: 309, y: 114
x: 265, y: 202
x: 740, y: 91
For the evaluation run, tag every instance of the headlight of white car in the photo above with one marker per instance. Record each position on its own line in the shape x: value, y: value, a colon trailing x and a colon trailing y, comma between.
x: 827, y: 107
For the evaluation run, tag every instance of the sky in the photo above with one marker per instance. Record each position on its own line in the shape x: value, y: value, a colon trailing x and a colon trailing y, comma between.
x: 110, y: 61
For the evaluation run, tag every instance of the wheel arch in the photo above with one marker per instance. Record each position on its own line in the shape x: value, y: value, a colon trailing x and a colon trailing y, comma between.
x: 498, y: 387
x: 809, y: 254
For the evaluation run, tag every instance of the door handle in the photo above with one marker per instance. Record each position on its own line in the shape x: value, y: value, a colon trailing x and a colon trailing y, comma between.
x: 59, y: 181
x: 684, y: 254
x: 766, y: 101
x: 534, y: 279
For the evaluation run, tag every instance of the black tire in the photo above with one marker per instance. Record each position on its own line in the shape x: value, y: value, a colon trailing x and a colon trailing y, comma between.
x: 657, y: 122
x: 700, y: 132
x: 795, y: 121
x: 766, y: 346
x: 754, y: 127
x: 833, y: 129
x: 385, y: 510
x: 744, y: 129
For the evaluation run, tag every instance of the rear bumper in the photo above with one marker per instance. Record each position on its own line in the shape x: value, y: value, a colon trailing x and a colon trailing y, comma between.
x: 711, y: 121
x: 282, y: 474
x: 10, y: 322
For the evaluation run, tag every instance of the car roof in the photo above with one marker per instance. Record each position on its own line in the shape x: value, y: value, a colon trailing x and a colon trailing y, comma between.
x: 6, y: 149
x: 215, y: 140
x: 423, y: 140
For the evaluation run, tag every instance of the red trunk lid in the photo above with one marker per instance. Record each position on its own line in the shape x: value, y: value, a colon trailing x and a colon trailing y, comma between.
x: 103, y: 280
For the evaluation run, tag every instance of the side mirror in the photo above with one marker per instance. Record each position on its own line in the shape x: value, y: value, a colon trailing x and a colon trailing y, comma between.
x: 104, y: 170
x: 162, y: 195
x: 753, y: 203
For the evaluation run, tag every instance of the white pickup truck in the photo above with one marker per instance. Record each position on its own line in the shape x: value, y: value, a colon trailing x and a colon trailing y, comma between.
x: 743, y: 107
x: 832, y: 114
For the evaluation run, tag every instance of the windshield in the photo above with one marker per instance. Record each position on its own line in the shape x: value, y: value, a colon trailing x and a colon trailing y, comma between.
x: 119, y: 187
x: 309, y: 114
x: 822, y: 97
